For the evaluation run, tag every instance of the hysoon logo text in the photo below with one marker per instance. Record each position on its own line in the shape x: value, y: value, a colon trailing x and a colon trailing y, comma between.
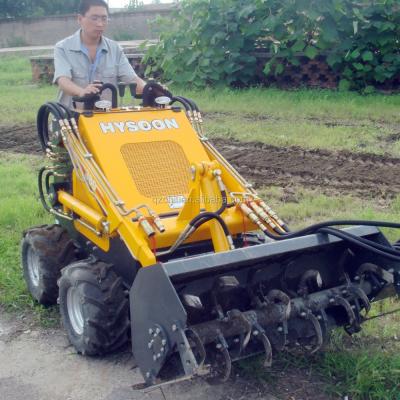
x: 135, y: 126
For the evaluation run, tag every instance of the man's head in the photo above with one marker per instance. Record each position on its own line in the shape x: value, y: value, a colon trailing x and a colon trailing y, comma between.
x: 93, y: 17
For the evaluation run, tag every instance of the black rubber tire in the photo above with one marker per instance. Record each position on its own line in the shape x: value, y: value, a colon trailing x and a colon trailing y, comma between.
x: 51, y: 248
x: 104, y: 307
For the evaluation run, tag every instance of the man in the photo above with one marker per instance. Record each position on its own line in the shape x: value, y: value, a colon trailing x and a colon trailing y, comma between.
x: 88, y: 57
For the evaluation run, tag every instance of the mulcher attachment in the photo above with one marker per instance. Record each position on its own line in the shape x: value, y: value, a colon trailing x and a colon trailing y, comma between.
x: 210, y: 310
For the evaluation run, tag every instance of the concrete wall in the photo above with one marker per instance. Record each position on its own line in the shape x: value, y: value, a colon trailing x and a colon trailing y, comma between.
x: 48, y: 30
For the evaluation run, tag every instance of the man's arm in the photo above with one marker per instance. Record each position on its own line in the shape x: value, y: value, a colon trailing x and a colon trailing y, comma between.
x: 72, y: 89
x: 140, y: 84
x: 127, y: 74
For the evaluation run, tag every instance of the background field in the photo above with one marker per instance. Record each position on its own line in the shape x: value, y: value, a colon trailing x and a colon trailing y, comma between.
x: 366, y: 366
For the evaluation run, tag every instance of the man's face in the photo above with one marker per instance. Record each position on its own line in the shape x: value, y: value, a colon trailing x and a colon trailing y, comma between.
x: 94, y: 22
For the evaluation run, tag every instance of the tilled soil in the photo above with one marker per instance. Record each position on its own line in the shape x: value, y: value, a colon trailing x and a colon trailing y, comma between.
x: 336, y: 172
x: 332, y: 172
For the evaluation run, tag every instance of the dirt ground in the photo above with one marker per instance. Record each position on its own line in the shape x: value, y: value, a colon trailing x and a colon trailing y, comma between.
x: 334, y: 172
x: 39, y: 364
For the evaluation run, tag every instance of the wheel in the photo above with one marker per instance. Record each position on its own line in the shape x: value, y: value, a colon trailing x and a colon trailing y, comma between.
x: 45, y: 251
x: 94, y: 307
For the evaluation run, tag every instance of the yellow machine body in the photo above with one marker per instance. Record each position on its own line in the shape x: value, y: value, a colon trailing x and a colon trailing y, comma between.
x: 156, y: 159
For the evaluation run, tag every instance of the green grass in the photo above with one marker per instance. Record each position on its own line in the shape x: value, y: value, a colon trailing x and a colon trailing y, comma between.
x: 363, y: 371
x: 300, y: 104
x: 305, y: 133
x: 19, y: 210
x: 307, y: 118
x: 20, y: 99
x: 366, y: 374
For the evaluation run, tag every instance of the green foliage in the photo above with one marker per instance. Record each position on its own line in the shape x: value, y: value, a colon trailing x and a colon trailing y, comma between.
x: 207, y: 42
x: 213, y: 42
x: 36, y: 8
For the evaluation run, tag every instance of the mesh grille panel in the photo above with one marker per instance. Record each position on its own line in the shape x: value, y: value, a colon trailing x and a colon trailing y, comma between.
x: 157, y: 168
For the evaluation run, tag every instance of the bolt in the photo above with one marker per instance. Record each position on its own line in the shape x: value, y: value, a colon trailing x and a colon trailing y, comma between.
x: 331, y: 300
x: 150, y: 331
x: 217, y: 172
x: 150, y: 344
x: 154, y: 358
x: 163, y: 342
x: 319, y: 317
x: 280, y: 329
x: 236, y: 340
x: 356, y: 278
x: 344, y: 291
x: 174, y: 328
x: 353, y: 307
x: 303, y: 314
x: 162, y: 349
x: 158, y: 355
x: 147, y: 374
x: 158, y: 331
x: 255, y: 333
x: 219, y: 346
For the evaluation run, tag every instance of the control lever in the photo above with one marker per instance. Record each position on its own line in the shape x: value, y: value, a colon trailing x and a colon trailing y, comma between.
x: 90, y: 99
x: 121, y: 92
x: 132, y: 89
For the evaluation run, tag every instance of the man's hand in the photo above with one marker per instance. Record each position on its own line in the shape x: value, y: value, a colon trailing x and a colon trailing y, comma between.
x: 92, y: 88
x: 72, y: 89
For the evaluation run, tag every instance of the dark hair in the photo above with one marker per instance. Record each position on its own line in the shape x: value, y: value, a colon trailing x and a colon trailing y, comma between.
x: 84, y: 5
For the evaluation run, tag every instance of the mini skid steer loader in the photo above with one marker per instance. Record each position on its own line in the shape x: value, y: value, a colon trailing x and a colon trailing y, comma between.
x: 158, y: 239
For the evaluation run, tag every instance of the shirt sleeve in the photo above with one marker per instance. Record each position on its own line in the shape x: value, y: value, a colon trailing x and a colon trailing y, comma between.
x: 62, y: 66
x: 126, y: 73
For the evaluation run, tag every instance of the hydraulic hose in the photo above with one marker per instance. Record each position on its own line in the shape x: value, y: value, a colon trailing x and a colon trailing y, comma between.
x: 185, y: 104
x: 313, y: 228
x: 40, y: 187
x: 327, y: 227
x: 355, y: 240
x: 42, y: 120
x: 207, y: 216
x: 192, y: 104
